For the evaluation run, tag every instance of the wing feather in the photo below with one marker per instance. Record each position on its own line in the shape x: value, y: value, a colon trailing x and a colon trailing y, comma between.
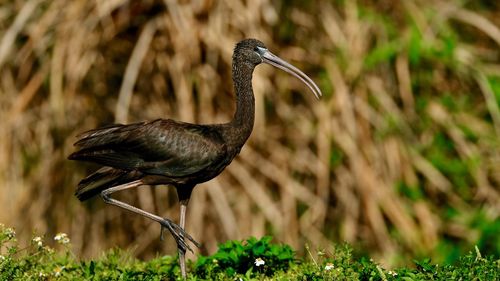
x: 164, y: 147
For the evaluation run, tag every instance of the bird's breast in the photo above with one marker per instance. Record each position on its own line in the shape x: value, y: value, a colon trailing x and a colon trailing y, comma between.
x: 218, y: 166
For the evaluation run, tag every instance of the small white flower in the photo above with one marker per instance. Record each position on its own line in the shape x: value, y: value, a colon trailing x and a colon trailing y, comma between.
x: 62, y: 238
x: 259, y: 262
x: 58, y: 271
x: 329, y: 266
x: 2, y: 258
x: 38, y: 241
x: 393, y: 273
x: 10, y: 232
x: 41, y: 274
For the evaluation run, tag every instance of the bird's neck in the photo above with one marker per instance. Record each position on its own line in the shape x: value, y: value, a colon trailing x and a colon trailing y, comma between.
x: 242, y: 123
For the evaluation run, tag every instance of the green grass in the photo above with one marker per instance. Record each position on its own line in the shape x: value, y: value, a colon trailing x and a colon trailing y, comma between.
x: 253, y: 259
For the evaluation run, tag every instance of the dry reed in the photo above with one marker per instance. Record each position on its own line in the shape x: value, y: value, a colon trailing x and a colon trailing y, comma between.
x: 312, y: 172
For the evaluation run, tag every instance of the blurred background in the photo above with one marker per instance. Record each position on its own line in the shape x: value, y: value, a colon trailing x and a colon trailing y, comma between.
x: 400, y: 157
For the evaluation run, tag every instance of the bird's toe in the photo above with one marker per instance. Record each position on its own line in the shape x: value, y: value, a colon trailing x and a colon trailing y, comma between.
x: 179, y: 234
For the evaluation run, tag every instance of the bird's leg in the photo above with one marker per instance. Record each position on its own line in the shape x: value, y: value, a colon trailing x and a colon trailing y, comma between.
x: 162, y: 230
x: 182, y: 252
x: 161, y: 233
x: 177, y: 232
x: 184, y: 194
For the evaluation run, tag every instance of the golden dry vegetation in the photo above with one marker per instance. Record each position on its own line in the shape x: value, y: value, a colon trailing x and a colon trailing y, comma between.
x: 400, y: 157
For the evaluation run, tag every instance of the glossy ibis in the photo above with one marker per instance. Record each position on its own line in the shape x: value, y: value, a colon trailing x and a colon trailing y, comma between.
x: 168, y: 152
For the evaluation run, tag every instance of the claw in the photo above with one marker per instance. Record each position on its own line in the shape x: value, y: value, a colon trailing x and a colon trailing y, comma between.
x: 179, y: 234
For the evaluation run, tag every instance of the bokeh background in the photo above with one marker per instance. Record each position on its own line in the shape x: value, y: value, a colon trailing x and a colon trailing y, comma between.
x: 400, y: 157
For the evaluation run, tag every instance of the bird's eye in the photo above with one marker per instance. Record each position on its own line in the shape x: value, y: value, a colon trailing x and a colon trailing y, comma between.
x: 259, y: 50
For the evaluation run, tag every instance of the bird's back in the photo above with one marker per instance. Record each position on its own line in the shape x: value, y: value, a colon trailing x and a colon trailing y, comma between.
x: 162, y: 151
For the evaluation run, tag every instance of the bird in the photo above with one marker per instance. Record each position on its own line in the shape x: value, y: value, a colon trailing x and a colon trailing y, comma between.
x: 175, y: 153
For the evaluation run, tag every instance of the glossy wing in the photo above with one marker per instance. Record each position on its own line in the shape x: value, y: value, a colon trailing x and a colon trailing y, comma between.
x: 163, y: 147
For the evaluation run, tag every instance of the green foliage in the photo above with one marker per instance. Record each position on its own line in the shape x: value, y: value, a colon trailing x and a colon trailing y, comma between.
x: 250, y: 257
x: 442, y: 154
x: 235, y: 260
x: 469, y: 267
x: 38, y: 261
x: 336, y: 157
x: 413, y: 193
x: 488, y: 229
x: 495, y: 87
x: 383, y: 53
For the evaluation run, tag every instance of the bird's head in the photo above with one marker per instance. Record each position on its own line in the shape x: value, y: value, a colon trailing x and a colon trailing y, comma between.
x: 254, y: 52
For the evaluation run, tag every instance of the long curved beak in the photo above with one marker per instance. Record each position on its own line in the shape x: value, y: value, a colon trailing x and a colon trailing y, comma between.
x: 274, y: 60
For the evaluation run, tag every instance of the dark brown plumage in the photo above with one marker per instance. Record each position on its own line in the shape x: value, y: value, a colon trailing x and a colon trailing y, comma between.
x: 168, y: 152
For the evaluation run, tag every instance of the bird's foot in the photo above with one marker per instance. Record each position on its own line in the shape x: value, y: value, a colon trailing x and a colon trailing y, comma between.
x: 179, y: 234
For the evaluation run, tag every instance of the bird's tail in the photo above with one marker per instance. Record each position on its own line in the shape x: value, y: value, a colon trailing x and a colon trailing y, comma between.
x: 100, y: 180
